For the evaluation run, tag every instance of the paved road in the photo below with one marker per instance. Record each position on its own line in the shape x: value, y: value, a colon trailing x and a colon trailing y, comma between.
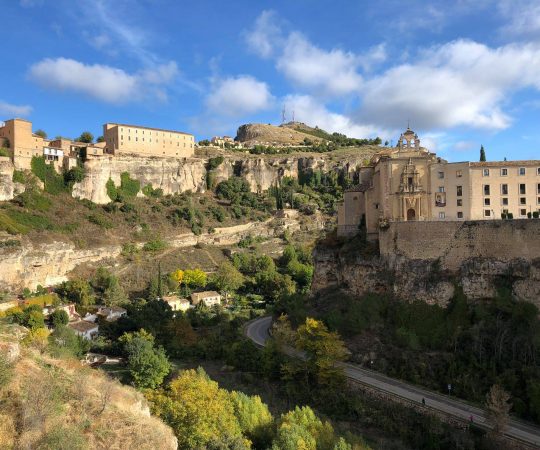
x: 257, y: 331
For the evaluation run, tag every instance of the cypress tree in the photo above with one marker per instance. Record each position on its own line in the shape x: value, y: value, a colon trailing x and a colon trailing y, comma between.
x: 482, y: 153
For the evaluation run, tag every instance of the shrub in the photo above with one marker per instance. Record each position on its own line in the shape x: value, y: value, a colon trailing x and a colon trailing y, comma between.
x: 149, y: 191
x: 536, y: 214
x: 529, y: 215
x: 18, y: 176
x: 52, y: 181
x: 74, y: 175
x: 112, y: 192
x: 4, y: 152
x: 155, y: 245
x: 130, y: 187
x: 100, y: 221
x: 510, y: 215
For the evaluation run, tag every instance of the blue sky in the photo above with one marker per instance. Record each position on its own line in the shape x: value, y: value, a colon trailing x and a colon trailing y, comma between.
x: 463, y: 75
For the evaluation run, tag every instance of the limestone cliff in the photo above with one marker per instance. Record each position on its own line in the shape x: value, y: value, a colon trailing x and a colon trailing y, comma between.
x: 428, y: 260
x: 180, y: 175
x: 170, y: 174
x: 8, y: 188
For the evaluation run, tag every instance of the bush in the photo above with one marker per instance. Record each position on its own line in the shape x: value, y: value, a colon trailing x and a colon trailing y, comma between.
x: 155, y: 245
x: 112, y: 192
x: 149, y: 191
x: 4, y: 152
x: 129, y: 187
x: 536, y: 214
x: 18, y: 176
x: 100, y: 221
x: 74, y: 175
x: 52, y: 181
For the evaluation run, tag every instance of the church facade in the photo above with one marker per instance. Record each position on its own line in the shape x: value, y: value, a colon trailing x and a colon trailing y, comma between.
x: 410, y: 183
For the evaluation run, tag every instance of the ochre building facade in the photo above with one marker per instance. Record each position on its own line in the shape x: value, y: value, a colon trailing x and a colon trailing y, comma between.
x: 410, y: 183
x: 145, y: 141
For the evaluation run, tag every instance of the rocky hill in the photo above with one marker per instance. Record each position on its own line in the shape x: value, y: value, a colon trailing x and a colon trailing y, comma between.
x: 59, y: 403
x: 293, y: 133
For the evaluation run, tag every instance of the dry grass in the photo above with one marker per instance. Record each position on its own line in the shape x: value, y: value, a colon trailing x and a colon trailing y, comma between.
x: 52, y: 403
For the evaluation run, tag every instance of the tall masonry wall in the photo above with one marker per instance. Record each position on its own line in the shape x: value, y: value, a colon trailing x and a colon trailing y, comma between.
x: 454, y: 242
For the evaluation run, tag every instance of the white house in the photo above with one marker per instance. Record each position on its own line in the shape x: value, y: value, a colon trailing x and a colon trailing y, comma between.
x: 209, y: 298
x: 177, y: 303
x: 111, y: 313
x: 87, y: 330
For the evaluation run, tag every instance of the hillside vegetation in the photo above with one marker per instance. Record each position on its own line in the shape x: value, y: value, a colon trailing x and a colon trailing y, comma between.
x: 50, y: 403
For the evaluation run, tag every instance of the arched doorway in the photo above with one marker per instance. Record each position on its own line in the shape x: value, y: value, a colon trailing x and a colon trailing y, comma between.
x: 411, y: 214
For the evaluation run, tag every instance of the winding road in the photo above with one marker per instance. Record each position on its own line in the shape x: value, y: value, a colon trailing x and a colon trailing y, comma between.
x: 258, y: 331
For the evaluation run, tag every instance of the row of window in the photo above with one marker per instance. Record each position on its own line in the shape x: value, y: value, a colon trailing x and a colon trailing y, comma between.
x: 178, y: 135
x: 487, y: 213
x: 504, y: 171
x: 486, y: 172
x: 504, y: 189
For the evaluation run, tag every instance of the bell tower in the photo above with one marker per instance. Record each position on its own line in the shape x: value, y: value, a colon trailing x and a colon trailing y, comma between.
x: 409, y: 141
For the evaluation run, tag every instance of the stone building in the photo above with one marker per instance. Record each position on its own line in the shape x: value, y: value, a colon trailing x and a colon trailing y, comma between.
x: 145, y: 141
x: 410, y: 183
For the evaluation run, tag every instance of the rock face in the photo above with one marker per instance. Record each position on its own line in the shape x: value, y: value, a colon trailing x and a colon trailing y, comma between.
x: 179, y: 175
x: 428, y: 260
x: 8, y: 188
x: 170, y: 174
x: 31, y: 265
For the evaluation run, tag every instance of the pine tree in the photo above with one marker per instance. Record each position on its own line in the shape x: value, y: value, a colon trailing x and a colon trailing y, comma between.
x: 482, y: 153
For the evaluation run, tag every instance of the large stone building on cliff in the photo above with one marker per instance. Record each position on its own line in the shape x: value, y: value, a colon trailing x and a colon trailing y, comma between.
x: 22, y: 144
x: 145, y: 141
x: 410, y: 183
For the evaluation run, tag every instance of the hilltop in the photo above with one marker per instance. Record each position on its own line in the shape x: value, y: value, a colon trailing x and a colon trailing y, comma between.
x: 293, y: 133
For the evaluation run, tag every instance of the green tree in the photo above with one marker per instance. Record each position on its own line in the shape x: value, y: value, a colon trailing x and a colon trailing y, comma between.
x: 77, y: 291
x: 199, y: 412
x: 254, y: 418
x: 108, y: 288
x: 41, y: 133
x: 59, y: 318
x: 227, y: 278
x: 302, y: 429
x: 100, y: 139
x: 65, y: 343
x: 147, y: 365
x: 323, y: 349
x: 86, y: 137
x: 482, y: 153
x: 498, y: 408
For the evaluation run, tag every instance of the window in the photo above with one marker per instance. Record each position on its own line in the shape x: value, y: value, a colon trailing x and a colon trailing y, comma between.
x: 522, y: 171
x: 459, y: 174
x: 122, y: 137
x: 441, y: 188
x: 504, y: 172
x: 505, y: 201
x: 487, y: 202
x: 440, y: 174
x: 442, y: 215
x: 459, y: 202
x: 538, y: 171
x: 522, y: 189
x: 137, y: 139
x: 486, y: 189
x: 129, y: 138
x: 487, y: 213
x: 459, y: 190
x: 504, y: 189
x: 538, y: 188
x: 538, y: 200
x: 522, y: 200
x: 523, y: 212
x: 485, y: 173
x: 460, y: 215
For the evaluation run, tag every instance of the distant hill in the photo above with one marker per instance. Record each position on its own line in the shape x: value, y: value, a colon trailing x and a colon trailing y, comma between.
x: 293, y: 133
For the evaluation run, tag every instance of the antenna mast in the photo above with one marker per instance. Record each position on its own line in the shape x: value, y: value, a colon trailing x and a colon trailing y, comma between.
x: 283, y: 112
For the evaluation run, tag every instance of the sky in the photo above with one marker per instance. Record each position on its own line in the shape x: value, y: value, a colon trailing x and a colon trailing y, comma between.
x: 461, y: 73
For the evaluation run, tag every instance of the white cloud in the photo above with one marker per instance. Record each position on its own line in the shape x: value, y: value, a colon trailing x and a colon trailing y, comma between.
x: 523, y: 16
x: 459, y: 83
x: 265, y: 35
x: 237, y: 96
x: 10, y: 110
x: 332, y: 72
x: 105, y: 83
x: 308, y: 110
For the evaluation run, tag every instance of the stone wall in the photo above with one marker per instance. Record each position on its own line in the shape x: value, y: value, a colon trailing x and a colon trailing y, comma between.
x: 427, y: 260
x: 454, y: 242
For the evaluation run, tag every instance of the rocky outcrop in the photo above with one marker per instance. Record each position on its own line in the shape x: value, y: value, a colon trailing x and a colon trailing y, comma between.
x: 29, y: 265
x: 428, y: 261
x: 8, y: 188
x: 172, y: 175
x: 180, y: 175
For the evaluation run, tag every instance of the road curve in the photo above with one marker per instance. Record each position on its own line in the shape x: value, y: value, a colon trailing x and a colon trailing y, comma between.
x: 258, y: 331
